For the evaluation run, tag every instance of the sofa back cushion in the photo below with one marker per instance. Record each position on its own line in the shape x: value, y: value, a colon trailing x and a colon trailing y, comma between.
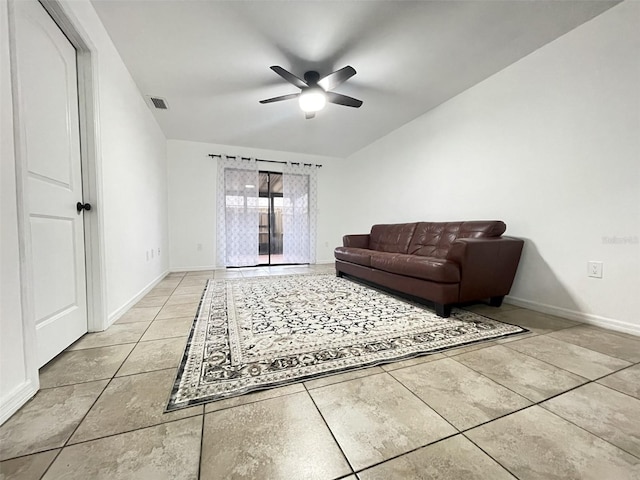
x: 393, y: 238
x: 434, y: 239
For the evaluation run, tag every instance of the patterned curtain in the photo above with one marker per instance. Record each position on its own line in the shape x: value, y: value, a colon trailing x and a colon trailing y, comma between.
x: 299, y: 213
x: 238, y: 212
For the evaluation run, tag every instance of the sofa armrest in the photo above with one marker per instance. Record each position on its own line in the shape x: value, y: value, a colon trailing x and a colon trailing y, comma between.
x: 487, y: 265
x: 356, y: 241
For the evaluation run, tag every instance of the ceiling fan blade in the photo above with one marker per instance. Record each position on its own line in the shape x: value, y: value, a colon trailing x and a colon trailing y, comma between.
x: 343, y: 100
x: 280, y: 98
x: 309, y: 115
x: 334, y: 79
x: 289, y: 77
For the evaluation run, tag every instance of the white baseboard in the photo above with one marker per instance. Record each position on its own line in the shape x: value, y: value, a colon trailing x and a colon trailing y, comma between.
x: 16, y: 398
x: 604, y: 322
x: 213, y: 267
x: 123, y: 309
x: 192, y: 269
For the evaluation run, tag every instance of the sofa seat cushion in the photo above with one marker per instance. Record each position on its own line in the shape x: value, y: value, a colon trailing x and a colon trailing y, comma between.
x: 359, y: 256
x: 426, y: 268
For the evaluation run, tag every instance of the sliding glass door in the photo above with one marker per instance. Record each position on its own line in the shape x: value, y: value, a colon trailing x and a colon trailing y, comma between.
x: 270, y: 238
x: 265, y: 217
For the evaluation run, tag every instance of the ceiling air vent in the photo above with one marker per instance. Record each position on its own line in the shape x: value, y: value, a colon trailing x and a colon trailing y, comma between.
x: 159, y: 103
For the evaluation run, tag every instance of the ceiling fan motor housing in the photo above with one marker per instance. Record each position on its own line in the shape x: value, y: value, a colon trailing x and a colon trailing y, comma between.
x: 315, y: 92
x: 311, y: 77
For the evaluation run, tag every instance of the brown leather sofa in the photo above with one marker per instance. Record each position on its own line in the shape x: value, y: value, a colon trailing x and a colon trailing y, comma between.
x: 446, y: 263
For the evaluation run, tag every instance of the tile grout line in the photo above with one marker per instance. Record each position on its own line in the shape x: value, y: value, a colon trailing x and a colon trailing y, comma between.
x: 241, y: 404
x: 138, y: 341
x: 142, y: 373
x: 115, y: 377
x: 66, y: 442
x: 539, y: 404
x: 394, y: 457
x: 344, y: 455
x: 536, y: 404
x: 103, y: 390
x: 109, y: 380
x: 147, y: 329
x: 457, y: 431
x: 588, y: 431
x: 489, y: 455
x: 50, y: 464
x: 424, y: 401
x: 110, y: 435
x: 124, y: 360
x: 615, y: 373
x: 533, y: 402
x: 201, y: 446
x: 345, y: 380
x: 550, y: 334
x: 130, y: 375
x: 506, y: 344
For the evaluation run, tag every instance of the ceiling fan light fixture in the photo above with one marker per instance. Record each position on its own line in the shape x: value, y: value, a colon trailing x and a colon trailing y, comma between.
x: 312, y: 100
x: 316, y: 92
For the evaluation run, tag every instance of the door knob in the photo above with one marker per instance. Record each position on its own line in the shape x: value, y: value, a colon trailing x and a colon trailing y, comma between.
x: 83, y: 206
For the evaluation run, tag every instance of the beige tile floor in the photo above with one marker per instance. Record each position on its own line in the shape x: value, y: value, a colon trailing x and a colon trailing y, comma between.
x: 561, y: 402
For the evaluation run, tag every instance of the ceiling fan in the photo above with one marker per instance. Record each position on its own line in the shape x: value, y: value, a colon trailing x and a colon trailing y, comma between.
x: 315, y: 91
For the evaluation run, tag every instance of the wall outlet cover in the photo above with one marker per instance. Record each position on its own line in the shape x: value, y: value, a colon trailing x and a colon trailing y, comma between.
x: 594, y: 269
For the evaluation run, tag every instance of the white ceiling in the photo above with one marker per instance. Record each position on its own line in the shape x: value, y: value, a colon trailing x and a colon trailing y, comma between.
x: 210, y: 60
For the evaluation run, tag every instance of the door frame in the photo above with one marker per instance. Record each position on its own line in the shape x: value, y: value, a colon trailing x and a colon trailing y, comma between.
x: 88, y: 108
x: 87, y: 72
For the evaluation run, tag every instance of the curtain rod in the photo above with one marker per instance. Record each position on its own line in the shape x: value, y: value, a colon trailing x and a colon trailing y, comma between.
x: 213, y: 155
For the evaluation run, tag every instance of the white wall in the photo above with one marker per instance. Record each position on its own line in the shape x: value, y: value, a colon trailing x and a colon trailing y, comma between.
x: 550, y: 145
x: 192, y: 200
x: 131, y: 156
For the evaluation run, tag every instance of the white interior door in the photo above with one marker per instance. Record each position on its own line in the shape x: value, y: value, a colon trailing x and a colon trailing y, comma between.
x: 50, y: 142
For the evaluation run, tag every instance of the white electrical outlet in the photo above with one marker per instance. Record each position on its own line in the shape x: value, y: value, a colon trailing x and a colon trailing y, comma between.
x: 594, y: 269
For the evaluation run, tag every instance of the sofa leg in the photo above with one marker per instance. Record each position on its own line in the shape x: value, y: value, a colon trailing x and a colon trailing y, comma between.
x: 496, y: 301
x: 338, y: 273
x: 443, y: 310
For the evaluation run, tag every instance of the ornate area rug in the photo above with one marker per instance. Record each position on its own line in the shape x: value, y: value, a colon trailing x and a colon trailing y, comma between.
x: 257, y: 333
